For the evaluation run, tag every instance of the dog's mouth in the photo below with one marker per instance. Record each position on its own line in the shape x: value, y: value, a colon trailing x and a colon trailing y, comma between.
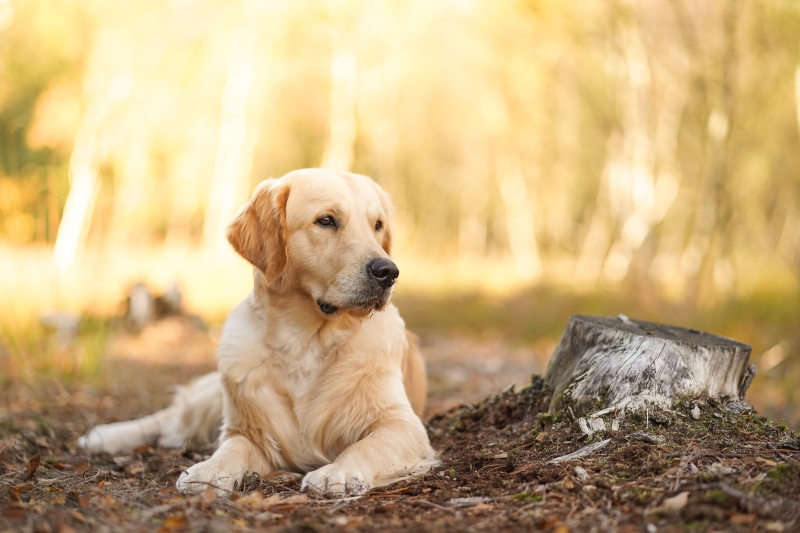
x: 363, y: 304
x: 327, y: 308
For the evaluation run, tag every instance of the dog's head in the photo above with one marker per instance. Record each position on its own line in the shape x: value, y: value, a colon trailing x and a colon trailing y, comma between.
x: 325, y: 234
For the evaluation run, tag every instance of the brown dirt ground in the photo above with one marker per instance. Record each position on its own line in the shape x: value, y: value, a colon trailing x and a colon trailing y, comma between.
x: 662, y: 472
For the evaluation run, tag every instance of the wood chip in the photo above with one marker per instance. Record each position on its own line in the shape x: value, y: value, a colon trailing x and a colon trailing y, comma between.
x: 467, y: 502
x: 586, y: 450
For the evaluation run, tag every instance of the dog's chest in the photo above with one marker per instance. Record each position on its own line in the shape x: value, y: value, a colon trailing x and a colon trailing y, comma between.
x: 304, y: 402
x: 304, y: 422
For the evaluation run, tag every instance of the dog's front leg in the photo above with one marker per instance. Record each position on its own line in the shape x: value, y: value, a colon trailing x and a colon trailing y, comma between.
x: 234, y: 459
x: 395, y: 448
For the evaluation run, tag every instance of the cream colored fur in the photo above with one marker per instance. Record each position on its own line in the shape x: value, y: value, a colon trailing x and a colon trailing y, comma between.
x: 336, y: 395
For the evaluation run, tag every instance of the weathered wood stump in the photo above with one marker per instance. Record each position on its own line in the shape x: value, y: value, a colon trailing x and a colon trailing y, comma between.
x: 618, y: 362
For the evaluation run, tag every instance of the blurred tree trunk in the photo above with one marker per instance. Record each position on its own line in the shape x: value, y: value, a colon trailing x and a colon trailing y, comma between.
x: 342, y: 112
x: 131, y: 192
x: 520, y: 211
x: 83, y: 168
x: 642, y: 176
x: 710, y: 244
x: 519, y: 208
x: 237, y: 134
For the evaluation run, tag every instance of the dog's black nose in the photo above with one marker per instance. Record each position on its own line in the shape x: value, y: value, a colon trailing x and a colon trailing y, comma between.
x: 383, y: 270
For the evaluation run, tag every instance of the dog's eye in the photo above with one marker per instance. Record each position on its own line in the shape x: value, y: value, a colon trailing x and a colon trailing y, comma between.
x: 326, y: 221
x: 378, y: 225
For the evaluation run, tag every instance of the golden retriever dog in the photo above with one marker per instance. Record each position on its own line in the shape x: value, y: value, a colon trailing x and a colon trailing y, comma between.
x: 316, y: 371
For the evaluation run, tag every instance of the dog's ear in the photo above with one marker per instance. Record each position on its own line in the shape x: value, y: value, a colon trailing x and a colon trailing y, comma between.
x: 258, y: 233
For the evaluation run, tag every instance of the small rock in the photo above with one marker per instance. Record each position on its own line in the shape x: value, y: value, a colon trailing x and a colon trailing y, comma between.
x: 661, y: 418
x: 650, y: 439
x: 696, y: 412
x: 739, y: 407
x: 597, y: 424
x: 676, y: 503
x: 141, y: 306
x: 788, y: 443
x: 66, y: 326
x: 582, y: 474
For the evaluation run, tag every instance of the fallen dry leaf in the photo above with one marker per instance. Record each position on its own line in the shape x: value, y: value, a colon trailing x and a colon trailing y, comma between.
x: 295, y: 499
x: 254, y: 499
x: 740, y: 519
x: 66, y: 528
x: 544, y: 524
x: 482, y: 507
x: 272, y: 500
x: 135, y: 468
x: 13, y: 512
x: 173, y: 524
x: 32, y: 465
x: 766, y: 461
x: 209, y: 496
x: 14, y: 494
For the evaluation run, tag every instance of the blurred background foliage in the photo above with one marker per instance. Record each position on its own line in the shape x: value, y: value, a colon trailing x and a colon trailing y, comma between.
x: 546, y: 158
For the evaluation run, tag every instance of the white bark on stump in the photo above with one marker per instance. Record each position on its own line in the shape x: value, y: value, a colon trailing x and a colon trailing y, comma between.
x: 622, y: 363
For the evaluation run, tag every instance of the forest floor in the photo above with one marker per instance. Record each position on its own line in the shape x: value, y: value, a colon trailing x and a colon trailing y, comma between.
x: 665, y: 471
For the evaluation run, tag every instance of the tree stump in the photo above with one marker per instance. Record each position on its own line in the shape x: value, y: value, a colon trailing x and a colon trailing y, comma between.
x: 618, y: 362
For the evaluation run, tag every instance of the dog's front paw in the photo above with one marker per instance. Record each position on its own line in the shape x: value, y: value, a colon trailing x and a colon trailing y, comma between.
x: 107, y: 438
x: 211, y: 473
x: 337, y: 481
